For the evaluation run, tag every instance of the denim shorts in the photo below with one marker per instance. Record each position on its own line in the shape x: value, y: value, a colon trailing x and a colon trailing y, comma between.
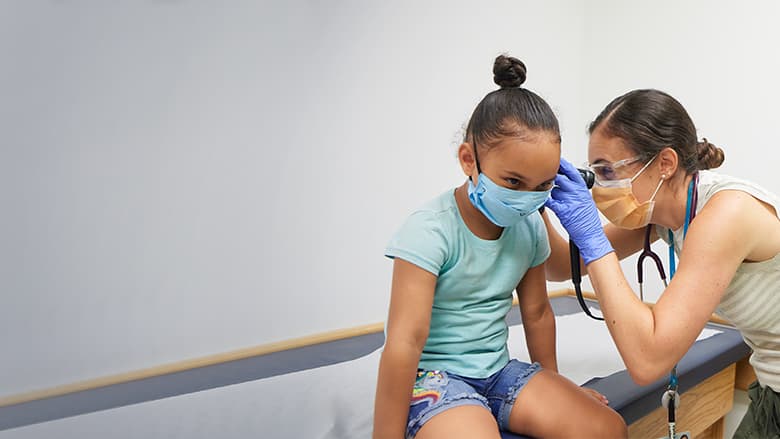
x: 436, y: 391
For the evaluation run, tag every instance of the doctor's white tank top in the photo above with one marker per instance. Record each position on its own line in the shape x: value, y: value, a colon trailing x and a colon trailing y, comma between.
x: 752, y: 300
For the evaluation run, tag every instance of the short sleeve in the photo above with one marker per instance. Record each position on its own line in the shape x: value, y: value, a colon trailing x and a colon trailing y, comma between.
x: 421, y: 241
x: 542, y: 250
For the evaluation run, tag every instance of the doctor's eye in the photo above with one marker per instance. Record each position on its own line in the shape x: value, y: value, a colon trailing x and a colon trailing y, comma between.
x: 605, y: 172
x: 512, y: 181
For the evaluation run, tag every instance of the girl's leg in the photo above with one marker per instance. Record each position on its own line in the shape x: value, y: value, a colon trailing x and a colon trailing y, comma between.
x: 551, y: 406
x: 467, y: 422
x: 447, y: 406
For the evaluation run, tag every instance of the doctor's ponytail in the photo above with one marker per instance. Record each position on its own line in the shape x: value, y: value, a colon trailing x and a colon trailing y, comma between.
x: 709, y: 155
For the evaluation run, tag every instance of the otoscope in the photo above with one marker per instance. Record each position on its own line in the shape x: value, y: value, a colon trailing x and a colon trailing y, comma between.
x: 574, y: 252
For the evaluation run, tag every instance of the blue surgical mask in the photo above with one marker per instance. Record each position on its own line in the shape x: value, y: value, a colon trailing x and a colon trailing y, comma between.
x: 504, y: 207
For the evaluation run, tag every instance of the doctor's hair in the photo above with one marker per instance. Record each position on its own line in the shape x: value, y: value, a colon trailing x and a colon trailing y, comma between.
x: 650, y: 120
x: 510, y: 111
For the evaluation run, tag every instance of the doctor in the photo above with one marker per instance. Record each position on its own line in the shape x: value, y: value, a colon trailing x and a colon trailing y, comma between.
x: 651, y: 171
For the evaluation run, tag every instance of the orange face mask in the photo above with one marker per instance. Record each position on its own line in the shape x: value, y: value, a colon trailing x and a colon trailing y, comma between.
x: 617, y: 202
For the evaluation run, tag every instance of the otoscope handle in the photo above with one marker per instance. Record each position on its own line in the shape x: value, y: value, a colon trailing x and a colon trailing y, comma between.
x: 574, y: 256
x: 576, y: 278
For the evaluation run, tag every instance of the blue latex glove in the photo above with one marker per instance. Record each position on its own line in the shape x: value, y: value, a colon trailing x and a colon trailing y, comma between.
x: 573, y: 205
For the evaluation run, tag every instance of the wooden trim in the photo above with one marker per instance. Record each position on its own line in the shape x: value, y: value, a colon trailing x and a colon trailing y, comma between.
x: 193, y: 363
x: 210, y: 360
x: 561, y: 293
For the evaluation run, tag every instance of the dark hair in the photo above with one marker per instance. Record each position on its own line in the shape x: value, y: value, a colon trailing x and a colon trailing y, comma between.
x: 510, y: 110
x: 651, y: 120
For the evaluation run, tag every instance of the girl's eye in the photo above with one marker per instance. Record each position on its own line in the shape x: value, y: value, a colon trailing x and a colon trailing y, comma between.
x: 545, y: 186
x: 512, y: 181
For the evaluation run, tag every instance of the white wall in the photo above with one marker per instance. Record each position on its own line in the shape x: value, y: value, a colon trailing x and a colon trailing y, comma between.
x: 184, y: 178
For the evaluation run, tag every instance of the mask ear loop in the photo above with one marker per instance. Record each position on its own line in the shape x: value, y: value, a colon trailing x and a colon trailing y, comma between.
x: 643, y: 168
x: 476, y: 157
x: 657, y: 188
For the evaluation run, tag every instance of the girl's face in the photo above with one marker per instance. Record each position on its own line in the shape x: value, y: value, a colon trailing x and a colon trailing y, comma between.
x: 524, y: 164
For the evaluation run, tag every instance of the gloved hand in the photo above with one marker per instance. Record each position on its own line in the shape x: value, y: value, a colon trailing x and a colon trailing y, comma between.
x: 573, y: 205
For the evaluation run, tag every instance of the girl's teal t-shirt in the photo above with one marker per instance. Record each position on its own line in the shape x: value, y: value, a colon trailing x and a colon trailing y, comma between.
x: 476, y: 277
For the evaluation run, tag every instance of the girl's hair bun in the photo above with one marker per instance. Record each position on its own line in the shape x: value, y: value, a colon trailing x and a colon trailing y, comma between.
x: 508, y: 72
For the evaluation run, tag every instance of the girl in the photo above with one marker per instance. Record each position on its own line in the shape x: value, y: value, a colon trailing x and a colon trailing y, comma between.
x: 445, y: 371
x: 651, y: 171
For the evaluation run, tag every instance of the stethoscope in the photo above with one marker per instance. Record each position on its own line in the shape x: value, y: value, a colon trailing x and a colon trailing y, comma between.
x: 670, y: 398
x: 647, y: 252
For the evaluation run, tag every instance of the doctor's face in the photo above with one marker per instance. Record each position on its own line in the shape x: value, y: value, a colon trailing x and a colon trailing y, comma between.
x: 611, y: 159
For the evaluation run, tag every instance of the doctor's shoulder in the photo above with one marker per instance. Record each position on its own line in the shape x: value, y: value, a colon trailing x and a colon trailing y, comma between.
x: 742, y: 216
x: 714, y: 182
x: 724, y: 192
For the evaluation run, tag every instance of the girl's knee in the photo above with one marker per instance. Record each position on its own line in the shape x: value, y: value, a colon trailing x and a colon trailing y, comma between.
x: 612, y: 425
x: 605, y: 423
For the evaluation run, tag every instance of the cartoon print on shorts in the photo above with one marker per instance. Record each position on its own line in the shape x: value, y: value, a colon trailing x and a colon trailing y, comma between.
x: 429, y: 387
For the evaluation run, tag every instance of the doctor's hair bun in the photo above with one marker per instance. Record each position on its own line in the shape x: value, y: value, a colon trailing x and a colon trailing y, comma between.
x: 508, y: 72
x: 709, y: 155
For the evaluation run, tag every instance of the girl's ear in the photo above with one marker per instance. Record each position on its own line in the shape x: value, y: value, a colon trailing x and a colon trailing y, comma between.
x: 668, y: 161
x: 466, y: 159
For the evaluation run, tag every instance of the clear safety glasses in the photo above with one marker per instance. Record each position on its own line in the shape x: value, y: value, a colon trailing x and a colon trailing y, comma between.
x: 606, y: 171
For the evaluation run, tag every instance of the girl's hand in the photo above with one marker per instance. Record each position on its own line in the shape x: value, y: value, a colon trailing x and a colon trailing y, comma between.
x: 598, y: 396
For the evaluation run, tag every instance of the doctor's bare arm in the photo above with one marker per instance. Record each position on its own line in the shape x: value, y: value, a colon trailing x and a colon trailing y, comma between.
x: 732, y: 227
x: 538, y: 318
x: 408, y: 322
x: 558, y: 268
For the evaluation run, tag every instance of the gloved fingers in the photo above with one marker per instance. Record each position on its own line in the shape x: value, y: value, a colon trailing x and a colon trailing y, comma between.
x: 570, y: 171
x: 555, y: 204
x: 557, y: 193
x: 564, y: 179
x: 566, y: 184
